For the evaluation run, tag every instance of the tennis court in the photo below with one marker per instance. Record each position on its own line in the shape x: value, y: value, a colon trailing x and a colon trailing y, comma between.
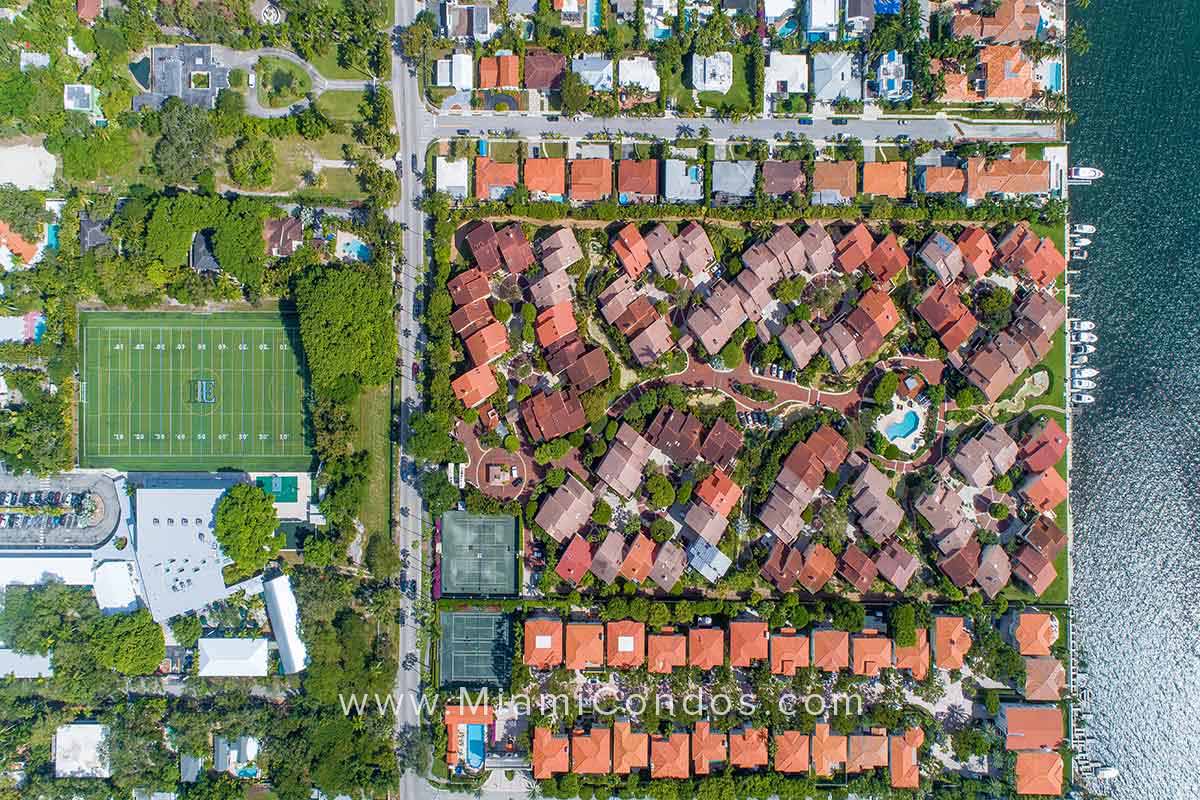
x: 479, y: 555
x: 476, y: 649
x: 191, y: 391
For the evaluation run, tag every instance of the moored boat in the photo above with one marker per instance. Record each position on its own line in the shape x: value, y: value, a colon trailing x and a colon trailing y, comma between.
x: 1082, y: 350
x: 1082, y: 383
x: 1107, y: 773
x: 1085, y: 173
x: 1079, y: 398
x: 1086, y: 337
x: 1079, y: 255
x: 1082, y: 325
x: 1083, y: 227
x: 1085, y: 372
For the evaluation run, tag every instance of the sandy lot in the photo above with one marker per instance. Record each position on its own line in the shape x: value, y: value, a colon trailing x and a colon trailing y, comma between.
x: 27, y: 166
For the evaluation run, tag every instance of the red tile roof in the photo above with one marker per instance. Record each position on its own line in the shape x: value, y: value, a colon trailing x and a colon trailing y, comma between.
x: 454, y: 716
x: 791, y: 752
x: 585, y: 645
x: 543, y: 642
x: 708, y: 747
x: 669, y: 756
x: 631, y: 250
x: 469, y: 287
x: 625, y: 642
x: 639, y: 559
x: 666, y: 651
x: 638, y: 179
x: 839, y: 176
x: 748, y: 748
x: 789, y: 652
x: 88, y: 11
x: 977, y: 249
x: 1032, y: 727
x: 947, y: 315
x: 830, y: 650
x: 574, y: 562
x: 867, y: 752
x: 591, y: 753
x: 886, y: 178
x: 854, y: 248
x: 546, y: 176
x: 630, y: 750
x: 491, y: 175
x: 555, y: 323
x: 887, y: 260
x: 819, y: 565
x: 1039, y: 774
x: 591, y: 179
x: 706, y: 648
x: 871, y: 654
x: 475, y: 386
x: 719, y: 492
x: 1045, y: 490
x: 1035, y: 633
x: 827, y: 750
x: 1045, y: 445
x: 748, y: 642
x: 951, y: 642
x: 915, y: 659
x: 904, y: 765
x: 487, y: 344
x: 551, y: 754
x: 16, y: 243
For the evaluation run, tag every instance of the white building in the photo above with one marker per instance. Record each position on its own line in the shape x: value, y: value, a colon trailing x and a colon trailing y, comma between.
x: 639, y: 71
x: 285, y: 623
x: 836, y: 75
x: 81, y: 751
x: 35, y: 567
x: 713, y: 73
x: 233, y: 658
x: 458, y: 71
x: 821, y: 19
x: 785, y: 74
x: 116, y: 586
x: 595, y: 70
x: 775, y: 10
x: 452, y: 177
x: 24, y: 665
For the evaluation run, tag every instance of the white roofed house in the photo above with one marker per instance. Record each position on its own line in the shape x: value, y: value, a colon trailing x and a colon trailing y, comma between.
x: 786, y: 74
x: 595, y: 70
x: 233, y: 658
x: 821, y: 19
x: 713, y: 73
x: 836, y: 76
x: 640, y: 72
x: 81, y: 751
x: 452, y: 177
x: 284, y: 614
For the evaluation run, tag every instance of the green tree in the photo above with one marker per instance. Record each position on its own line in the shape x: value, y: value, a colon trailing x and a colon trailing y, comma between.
x: 885, y: 389
x: 659, y: 491
x: 252, y: 163
x: 602, y: 513
x: 132, y: 644
x: 440, y: 495
x: 187, y: 141
x: 248, y: 528
x: 904, y: 625
x: 575, y: 94
x: 186, y: 629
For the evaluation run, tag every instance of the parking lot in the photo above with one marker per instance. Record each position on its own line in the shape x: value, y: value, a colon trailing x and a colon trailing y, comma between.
x: 64, y: 511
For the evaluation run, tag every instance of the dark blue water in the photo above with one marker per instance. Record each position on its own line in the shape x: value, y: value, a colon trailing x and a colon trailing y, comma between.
x: 1136, y: 491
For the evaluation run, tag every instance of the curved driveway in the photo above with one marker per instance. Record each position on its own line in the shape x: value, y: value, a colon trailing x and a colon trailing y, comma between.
x: 246, y: 60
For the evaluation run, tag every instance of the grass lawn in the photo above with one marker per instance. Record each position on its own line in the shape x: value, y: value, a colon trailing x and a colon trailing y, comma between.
x: 554, y: 149
x: 373, y: 419
x: 340, y: 105
x: 327, y: 64
x: 281, y: 83
x: 887, y: 153
x: 338, y: 183
x: 642, y: 150
x: 330, y: 145
x: 504, y: 152
x: 738, y: 96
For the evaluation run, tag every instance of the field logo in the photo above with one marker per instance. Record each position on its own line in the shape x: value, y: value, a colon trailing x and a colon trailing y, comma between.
x: 206, y: 391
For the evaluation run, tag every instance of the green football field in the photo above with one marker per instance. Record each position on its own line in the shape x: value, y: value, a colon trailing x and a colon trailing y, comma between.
x: 191, y: 391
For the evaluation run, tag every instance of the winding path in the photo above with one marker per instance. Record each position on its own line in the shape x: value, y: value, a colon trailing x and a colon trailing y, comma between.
x: 246, y: 60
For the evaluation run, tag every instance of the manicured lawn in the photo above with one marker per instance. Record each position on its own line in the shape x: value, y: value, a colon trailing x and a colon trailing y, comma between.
x: 373, y: 419
x: 738, y: 96
x: 504, y: 152
x: 281, y: 83
x: 330, y: 145
x: 328, y: 66
x: 554, y: 150
x: 642, y: 150
x: 340, y: 105
x: 338, y: 183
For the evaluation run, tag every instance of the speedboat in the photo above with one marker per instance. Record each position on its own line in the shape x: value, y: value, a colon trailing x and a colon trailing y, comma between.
x: 1082, y: 325
x: 1082, y: 399
x: 1078, y: 360
x: 1085, y: 173
x: 1080, y: 242
x: 1084, y: 372
x: 1079, y: 255
x: 1083, y: 228
x: 1082, y: 349
x: 1078, y: 383
x: 1083, y: 336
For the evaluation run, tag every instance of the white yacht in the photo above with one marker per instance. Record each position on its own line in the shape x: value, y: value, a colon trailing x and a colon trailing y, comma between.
x: 1084, y: 372
x: 1079, y: 255
x: 1082, y: 325
x: 1079, y: 398
x: 1086, y: 337
x: 1083, y: 228
x: 1082, y: 383
x: 1085, y: 173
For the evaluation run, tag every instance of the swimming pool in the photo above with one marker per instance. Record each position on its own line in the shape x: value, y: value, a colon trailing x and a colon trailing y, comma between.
x: 475, y: 746
x: 595, y: 13
x: 52, y: 235
x: 1054, y: 81
x: 789, y: 27
x: 903, y: 427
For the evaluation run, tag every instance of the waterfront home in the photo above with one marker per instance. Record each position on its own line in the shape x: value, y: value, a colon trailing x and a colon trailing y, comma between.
x: 1034, y: 569
x: 1002, y: 74
x: 1009, y: 21
x: 981, y: 458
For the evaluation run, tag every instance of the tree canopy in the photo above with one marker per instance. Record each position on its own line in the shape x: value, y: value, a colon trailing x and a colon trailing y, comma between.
x: 248, y: 528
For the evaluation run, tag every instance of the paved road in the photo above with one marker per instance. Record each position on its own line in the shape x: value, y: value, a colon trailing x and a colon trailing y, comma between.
x: 246, y: 59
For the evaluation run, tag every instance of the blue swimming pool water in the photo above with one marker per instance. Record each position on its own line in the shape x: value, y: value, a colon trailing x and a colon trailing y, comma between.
x: 662, y: 33
x: 355, y: 249
x: 789, y: 27
x: 475, y: 746
x: 595, y: 13
x: 1055, y: 82
x: 52, y: 236
x: 248, y: 772
x: 39, y: 329
x: 902, y: 427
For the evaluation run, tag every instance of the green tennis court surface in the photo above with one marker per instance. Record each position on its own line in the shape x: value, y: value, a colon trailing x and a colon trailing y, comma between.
x: 191, y: 391
x: 476, y: 649
x: 479, y: 555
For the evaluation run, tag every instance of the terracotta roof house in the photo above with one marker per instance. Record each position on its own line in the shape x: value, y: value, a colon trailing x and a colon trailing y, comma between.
x: 962, y: 565
x: 947, y: 315
x: 469, y: 287
x: 854, y: 248
x: 591, y: 752
x: 553, y: 289
x: 591, y: 179
x: 977, y: 249
x: 887, y: 260
x: 708, y: 747
x: 887, y: 179
x: 625, y: 461
x: 282, y: 235
x: 797, y: 483
x: 1039, y: 773
x: 1044, y: 446
x: 867, y: 752
x: 549, y: 416
x: 1034, y: 569
x: 485, y: 249
x: 606, y: 561
x: 829, y: 447
x: 494, y: 180
x: 566, y: 351
x: 783, y: 566
x: 670, y: 560
x: 559, y: 250
x: 830, y: 650
x: 515, y: 250
x: 834, y: 183
x: 896, y: 565
x: 1028, y: 727
x: 1035, y: 632
x: 941, y: 254
x: 1046, y: 537
x: 789, y: 651
x: 544, y: 70
x: 1013, y: 21
x: 904, y: 766
x: 943, y: 180
x: 566, y: 510
x: 551, y: 754
x: 585, y: 645
x: 499, y: 72
x: 487, y: 344
x: 870, y: 654
x: 626, y: 644
x: 915, y: 658
x: 800, y: 342
x: 748, y: 642
x: 828, y: 751
x: 637, y: 181
x: 1045, y: 679
x: 748, y: 748
x: 783, y: 178
x: 639, y: 559
x: 989, y: 372
x: 546, y: 178
x: 857, y: 568
x: 719, y: 492
x: 575, y: 561
x: 589, y: 371
x: 630, y: 750
x: 543, y: 642
x: 554, y: 323
x: 475, y: 386
x: 878, y: 514
x: 653, y: 341
x: 88, y: 11
x: 721, y: 445
x: 1014, y: 176
x: 636, y: 316
x: 1043, y: 310
x: 471, y: 317
x: 951, y: 642
x: 666, y: 651
x: 819, y: 565
x: 706, y: 648
x: 631, y: 250
x: 1044, y: 490
x: 669, y: 756
x: 994, y: 570
x: 872, y: 320
x: 983, y: 457
x: 455, y: 716
x: 791, y: 752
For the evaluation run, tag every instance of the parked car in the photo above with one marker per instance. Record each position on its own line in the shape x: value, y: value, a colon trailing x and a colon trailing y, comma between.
x: 840, y: 121
x: 806, y: 121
